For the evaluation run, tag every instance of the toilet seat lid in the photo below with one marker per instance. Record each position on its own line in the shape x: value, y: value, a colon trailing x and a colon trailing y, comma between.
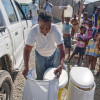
x: 82, y: 77
x: 49, y: 75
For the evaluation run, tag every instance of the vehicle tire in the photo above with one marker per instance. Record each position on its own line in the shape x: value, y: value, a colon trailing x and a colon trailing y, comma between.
x: 6, y: 85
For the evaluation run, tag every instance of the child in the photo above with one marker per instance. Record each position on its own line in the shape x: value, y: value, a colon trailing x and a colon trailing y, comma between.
x: 97, y: 46
x: 67, y: 32
x: 74, y: 22
x: 92, y: 53
x: 85, y: 19
x: 96, y: 17
x: 90, y: 30
x: 80, y: 46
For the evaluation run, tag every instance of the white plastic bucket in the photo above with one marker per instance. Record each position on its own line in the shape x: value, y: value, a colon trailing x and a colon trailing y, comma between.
x: 81, y: 84
x: 49, y: 75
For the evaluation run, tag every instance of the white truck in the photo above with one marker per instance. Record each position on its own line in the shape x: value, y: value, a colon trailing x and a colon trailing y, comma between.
x: 14, y: 28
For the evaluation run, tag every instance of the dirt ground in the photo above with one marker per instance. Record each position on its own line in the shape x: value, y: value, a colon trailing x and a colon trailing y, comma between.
x: 19, y: 80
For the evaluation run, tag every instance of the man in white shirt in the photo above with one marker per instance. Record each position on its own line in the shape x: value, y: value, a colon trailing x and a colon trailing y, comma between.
x: 47, y: 6
x: 33, y: 8
x: 50, y: 50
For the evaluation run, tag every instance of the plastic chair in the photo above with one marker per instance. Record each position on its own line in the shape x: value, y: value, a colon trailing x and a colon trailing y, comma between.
x: 40, y: 89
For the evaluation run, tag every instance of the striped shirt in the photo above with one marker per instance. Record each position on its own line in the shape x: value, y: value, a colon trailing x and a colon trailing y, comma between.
x: 90, y: 50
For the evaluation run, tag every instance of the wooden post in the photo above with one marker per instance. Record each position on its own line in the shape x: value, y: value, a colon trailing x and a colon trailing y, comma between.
x: 80, y: 10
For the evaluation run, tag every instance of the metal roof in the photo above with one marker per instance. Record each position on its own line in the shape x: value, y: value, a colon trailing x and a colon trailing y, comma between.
x: 90, y: 1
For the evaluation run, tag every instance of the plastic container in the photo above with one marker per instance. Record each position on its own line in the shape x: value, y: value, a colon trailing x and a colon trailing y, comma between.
x: 49, y: 75
x: 68, y: 12
x: 81, y: 84
x: 39, y: 89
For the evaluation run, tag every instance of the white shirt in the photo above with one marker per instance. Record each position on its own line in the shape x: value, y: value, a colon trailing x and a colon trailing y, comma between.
x: 33, y: 8
x: 48, y: 8
x: 45, y: 45
x: 0, y: 21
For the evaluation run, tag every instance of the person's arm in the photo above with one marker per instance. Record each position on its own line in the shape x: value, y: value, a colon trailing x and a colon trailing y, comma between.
x: 63, y: 15
x: 30, y: 13
x: 45, y: 6
x: 72, y: 32
x: 61, y: 48
x: 27, y: 51
x: 88, y: 47
x: 71, y: 21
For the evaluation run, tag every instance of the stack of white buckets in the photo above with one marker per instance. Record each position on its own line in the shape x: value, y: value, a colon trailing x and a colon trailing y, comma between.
x: 81, y: 84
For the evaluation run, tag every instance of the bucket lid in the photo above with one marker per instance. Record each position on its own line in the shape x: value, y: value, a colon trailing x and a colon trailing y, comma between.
x: 68, y: 11
x: 49, y: 75
x: 82, y: 77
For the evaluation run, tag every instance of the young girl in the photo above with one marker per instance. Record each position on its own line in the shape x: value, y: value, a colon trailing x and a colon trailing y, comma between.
x: 92, y: 53
x: 80, y: 46
x: 67, y: 32
x: 74, y: 22
x: 90, y: 31
x: 85, y: 19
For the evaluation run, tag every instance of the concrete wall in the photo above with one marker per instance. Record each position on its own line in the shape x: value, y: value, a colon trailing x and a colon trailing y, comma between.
x: 56, y: 11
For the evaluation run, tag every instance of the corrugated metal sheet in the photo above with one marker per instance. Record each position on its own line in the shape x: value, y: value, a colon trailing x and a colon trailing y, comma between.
x: 90, y: 1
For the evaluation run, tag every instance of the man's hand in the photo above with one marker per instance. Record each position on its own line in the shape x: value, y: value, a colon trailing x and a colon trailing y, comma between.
x: 25, y: 72
x: 27, y: 51
x: 58, y: 71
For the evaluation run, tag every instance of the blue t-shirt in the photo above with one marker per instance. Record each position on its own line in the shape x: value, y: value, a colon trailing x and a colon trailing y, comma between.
x: 66, y: 29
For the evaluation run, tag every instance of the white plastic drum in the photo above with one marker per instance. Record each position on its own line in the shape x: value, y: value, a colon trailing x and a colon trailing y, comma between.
x: 49, y: 75
x: 81, y: 84
x: 82, y: 77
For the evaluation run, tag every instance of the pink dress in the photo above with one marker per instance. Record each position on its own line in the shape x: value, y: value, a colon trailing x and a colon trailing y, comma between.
x: 81, y: 44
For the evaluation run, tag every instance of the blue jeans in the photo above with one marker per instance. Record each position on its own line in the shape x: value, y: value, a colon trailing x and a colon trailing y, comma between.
x: 43, y: 63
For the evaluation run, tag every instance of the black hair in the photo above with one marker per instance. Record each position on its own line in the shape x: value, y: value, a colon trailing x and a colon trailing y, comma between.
x: 45, y: 16
x: 82, y: 27
x: 85, y: 13
x: 90, y: 21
